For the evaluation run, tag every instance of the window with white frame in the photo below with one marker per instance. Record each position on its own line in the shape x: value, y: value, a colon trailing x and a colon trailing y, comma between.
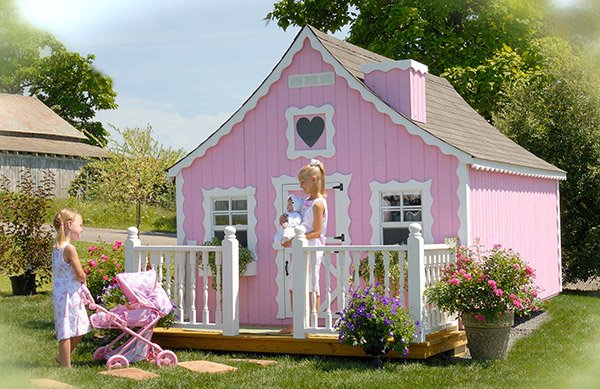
x: 231, y: 207
x: 395, y: 206
x: 398, y: 211
x: 230, y: 211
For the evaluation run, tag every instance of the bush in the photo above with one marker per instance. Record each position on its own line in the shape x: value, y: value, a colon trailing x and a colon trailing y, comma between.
x: 105, y: 263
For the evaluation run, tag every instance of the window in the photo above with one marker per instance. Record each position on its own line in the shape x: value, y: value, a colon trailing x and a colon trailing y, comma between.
x: 231, y: 211
x: 231, y: 207
x: 395, y: 206
x: 398, y: 211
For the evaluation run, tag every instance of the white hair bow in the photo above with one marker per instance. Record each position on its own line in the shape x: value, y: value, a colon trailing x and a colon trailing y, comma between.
x: 315, y: 162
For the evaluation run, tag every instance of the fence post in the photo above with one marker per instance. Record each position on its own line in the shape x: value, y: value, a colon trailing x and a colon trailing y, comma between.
x: 416, y: 276
x: 231, y: 283
x: 300, y: 303
x: 132, y: 262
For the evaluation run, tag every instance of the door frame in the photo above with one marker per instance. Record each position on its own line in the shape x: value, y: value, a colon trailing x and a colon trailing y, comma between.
x: 342, y: 226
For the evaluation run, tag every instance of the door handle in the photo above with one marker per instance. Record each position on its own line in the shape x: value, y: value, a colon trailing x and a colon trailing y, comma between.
x: 341, y: 237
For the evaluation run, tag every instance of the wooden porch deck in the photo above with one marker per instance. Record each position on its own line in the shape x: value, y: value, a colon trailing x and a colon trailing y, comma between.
x: 270, y: 340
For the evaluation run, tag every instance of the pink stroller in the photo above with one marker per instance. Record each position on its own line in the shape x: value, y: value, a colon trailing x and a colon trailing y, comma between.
x: 150, y: 303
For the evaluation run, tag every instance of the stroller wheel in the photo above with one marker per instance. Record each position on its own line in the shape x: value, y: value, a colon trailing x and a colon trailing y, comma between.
x: 117, y: 362
x: 100, y: 353
x: 166, y: 358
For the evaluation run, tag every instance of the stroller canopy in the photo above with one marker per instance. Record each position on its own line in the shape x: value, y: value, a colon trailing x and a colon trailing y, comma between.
x: 142, y: 288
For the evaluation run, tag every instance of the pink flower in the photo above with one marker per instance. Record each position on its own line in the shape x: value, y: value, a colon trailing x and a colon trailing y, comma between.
x: 518, y: 303
x: 118, y: 244
x: 92, y: 263
x: 492, y: 283
x: 462, y: 272
x: 529, y: 271
x: 479, y: 317
x: 118, y: 265
x: 105, y: 278
x: 498, y: 292
x: 454, y: 281
x: 99, y: 270
x: 516, y: 266
x: 104, y: 258
x: 468, y: 276
x: 512, y: 296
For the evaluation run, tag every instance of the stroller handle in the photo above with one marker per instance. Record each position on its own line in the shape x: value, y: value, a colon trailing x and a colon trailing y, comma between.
x: 87, y: 297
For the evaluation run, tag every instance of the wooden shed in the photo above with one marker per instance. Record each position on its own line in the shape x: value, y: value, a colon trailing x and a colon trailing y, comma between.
x: 33, y: 136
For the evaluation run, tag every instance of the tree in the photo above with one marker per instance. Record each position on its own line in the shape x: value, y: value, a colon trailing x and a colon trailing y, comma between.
x: 34, y: 62
x: 557, y: 117
x: 478, y: 45
x: 135, y: 170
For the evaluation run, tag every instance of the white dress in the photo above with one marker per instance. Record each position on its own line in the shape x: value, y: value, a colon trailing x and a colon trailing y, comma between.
x: 70, y: 316
x: 308, y: 222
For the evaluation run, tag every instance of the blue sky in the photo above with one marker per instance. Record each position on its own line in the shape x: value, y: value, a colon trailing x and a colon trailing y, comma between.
x: 183, y: 66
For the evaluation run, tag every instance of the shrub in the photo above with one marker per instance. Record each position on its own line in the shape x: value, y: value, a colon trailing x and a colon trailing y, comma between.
x: 105, y: 263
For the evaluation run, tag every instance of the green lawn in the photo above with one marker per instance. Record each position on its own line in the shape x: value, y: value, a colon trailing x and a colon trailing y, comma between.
x: 118, y: 216
x: 563, y: 353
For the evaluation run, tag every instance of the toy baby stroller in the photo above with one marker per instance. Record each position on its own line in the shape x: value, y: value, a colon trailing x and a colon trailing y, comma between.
x: 148, y: 303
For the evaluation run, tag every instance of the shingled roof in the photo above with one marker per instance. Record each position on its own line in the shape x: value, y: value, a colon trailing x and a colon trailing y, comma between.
x: 449, y: 117
x: 28, y: 126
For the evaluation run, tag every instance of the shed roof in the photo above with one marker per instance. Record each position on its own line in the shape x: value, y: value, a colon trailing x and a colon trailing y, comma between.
x: 28, y: 125
x: 449, y: 117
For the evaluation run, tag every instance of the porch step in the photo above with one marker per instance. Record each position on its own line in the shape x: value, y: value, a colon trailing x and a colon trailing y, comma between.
x: 173, y: 338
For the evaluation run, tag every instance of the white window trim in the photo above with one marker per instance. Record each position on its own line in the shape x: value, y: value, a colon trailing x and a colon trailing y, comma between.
x: 311, y: 79
x: 378, y: 188
x: 250, y: 193
x: 290, y: 132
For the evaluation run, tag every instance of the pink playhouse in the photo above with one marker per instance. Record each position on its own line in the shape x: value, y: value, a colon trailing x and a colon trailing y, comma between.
x: 400, y: 146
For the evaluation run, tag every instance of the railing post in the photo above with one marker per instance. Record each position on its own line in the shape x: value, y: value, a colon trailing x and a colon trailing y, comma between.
x: 132, y: 262
x: 300, y: 302
x: 231, y: 283
x: 416, y: 276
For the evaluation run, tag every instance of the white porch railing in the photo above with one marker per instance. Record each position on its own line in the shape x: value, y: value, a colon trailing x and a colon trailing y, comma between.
x: 419, y: 264
x: 184, y: 272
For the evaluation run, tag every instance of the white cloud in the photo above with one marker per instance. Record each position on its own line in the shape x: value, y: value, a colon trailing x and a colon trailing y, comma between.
x: 169, y: 127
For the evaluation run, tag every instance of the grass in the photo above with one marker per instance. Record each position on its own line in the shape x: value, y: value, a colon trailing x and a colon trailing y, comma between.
x: 563, y: 353
x: 120, y: 216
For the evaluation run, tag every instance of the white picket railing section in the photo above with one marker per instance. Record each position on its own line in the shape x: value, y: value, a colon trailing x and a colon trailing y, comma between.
x: 185, y: 274
x: 419, y: 266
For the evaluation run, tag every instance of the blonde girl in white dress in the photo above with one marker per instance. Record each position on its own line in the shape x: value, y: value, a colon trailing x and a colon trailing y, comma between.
x: 70, y: 317
x: 314, y: 216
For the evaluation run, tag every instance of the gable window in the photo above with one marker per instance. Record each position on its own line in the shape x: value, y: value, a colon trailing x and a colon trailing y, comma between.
x: 398, y: 211
x: 230, y: 207
x: 395, y: 206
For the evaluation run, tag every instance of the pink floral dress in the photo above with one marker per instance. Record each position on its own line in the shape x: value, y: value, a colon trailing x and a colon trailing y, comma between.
x: 70, y: 316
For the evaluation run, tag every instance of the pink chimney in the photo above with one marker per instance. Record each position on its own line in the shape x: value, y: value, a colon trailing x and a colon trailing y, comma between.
x: 401, y: 84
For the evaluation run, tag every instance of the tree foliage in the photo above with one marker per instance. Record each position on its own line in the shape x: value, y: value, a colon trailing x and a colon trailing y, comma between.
x: 557, y: 117
x: 33, y: 62
x: 134, y: 172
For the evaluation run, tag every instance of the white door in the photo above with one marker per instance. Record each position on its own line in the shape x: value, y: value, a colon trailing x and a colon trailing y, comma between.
x: 338, y: 223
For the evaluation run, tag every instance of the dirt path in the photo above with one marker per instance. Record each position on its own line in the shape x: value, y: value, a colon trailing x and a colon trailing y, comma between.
x: 110, y: 236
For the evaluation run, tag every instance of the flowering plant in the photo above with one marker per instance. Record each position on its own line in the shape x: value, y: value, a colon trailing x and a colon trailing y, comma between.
x: 486, y: 284
x: 101, y: 268
x: 371, y: 320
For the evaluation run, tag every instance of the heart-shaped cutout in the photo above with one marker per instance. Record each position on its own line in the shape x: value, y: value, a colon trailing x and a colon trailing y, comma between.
x: 310, y: 130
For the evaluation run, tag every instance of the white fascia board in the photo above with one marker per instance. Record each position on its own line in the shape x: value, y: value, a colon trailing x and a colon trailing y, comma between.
x: 341, y: 71
x: 498, y: 167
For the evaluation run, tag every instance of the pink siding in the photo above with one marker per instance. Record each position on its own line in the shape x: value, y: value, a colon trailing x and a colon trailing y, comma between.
x: 519, y: 213
x: 368, y: 146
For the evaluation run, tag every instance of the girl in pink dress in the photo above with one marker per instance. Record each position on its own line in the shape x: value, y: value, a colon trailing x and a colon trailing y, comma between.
x: 70, y: 317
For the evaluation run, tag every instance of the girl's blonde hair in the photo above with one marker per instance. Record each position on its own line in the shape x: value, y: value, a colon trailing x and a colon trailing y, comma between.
x: 317, y: 169
x: 61, y: 217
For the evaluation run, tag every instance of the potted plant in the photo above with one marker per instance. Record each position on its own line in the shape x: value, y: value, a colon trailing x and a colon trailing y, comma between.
x: 29, y: 242
x: 376, y: 323
x: 486, y: 288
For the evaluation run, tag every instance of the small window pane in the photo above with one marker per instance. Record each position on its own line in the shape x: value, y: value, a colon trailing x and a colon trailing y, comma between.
x: 392, y: 216
x: 239, y: 219
x: 395, y: 235
x: 241, y: 236
x: 412, y: 199
x: 221, y: 220
x: 239, y: 205
x: 412, y: 216
x: 221, y: 205
x: 391, y: 201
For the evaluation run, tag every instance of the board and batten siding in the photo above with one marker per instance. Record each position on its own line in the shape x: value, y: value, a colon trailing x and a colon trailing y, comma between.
x: 65, y: 169
x: 521, y: 213
x: 369, y: 146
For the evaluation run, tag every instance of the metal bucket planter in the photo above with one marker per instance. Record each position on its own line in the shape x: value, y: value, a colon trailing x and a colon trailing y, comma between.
x: 488, y: 339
